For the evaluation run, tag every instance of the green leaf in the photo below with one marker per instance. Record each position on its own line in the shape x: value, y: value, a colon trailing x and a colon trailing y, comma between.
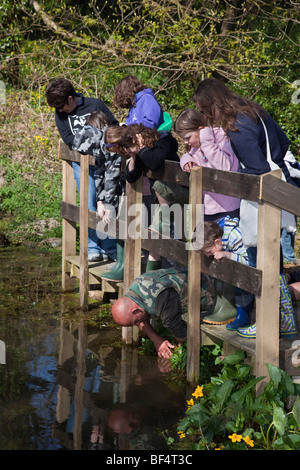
x: 279, y: 419
x: 274, y: 374
x: 235, y: 358
x: 296, y: 411
x: 224, y: 391
x: 243, y: 392
x: 288, y: 442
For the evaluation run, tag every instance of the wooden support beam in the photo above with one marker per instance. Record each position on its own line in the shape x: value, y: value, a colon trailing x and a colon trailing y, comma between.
x: 84, y: 194
x: 267, y: 304
x: 194, y: 285
x: 133, y: 245
x: 68, y: 227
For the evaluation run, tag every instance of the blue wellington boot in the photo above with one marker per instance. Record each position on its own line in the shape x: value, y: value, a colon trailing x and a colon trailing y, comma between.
x: 242, y: 318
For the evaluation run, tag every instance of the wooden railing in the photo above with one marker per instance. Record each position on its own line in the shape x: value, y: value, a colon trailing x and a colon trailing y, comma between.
x: 272, y: 195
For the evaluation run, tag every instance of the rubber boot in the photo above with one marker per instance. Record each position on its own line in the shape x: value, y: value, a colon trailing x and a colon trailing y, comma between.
x: 288, y: 328
x: 242, y: 318
x: 161, y: 222
x: 224, y: 312
x: 117, y: 273
x: 153, y: 265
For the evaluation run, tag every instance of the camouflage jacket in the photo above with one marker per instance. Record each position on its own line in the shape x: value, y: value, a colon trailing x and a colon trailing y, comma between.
x: 90, y: 140
x: 145, y: 288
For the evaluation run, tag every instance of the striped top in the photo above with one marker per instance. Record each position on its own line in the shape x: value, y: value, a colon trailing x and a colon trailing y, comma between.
x: 232, y: 240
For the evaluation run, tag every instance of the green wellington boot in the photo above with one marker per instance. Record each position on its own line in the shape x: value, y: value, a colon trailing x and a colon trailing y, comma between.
x: 117, y: 273
x: 152, y: 265
x: 224, y: 312
x: 161, y: 222
x: 225, y: 309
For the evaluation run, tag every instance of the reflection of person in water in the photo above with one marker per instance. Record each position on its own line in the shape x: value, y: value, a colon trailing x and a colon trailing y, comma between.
x: 151, y: 405
x: 131, y: 422
x: 124, y: 418
x: 97, y: 438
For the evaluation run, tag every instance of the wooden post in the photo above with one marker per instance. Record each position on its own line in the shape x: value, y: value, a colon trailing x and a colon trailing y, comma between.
x: 194, y: 285
x: 84, y: 194
x: 132, y: 255
x: 68, y: 227
x: 267, y: 305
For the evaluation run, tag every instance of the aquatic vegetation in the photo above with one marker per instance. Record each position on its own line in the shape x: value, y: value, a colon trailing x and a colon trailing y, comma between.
x: 226, y: 414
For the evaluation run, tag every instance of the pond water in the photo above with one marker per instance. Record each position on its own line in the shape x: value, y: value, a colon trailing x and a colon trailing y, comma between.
x: 66, y: 381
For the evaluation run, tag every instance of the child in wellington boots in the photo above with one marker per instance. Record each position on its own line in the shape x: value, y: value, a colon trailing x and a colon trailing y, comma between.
x: 220, y: 242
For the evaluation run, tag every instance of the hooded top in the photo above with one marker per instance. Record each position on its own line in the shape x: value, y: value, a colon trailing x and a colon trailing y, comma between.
x: 90, y: 140
x: 146, y: 111
x: 69, y: 124
x: 216, y: 152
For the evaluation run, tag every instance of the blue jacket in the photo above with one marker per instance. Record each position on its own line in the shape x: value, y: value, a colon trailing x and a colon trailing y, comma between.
x: 146, y: 111
x: 249, y: 145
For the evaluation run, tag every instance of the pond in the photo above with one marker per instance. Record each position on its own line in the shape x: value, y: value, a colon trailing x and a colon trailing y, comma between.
x: 66, y: 381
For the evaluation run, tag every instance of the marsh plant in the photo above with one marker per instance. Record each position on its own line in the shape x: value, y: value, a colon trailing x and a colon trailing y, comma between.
x: 226, y: 414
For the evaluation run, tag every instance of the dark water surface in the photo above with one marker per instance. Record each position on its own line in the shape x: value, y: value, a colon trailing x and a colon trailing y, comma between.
x: 66, y: 382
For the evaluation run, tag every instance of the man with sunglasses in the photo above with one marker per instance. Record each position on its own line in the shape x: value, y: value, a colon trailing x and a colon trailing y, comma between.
x: 71, y: 112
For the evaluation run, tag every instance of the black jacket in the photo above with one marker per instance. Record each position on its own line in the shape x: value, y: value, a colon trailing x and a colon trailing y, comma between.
x: 154, y: 158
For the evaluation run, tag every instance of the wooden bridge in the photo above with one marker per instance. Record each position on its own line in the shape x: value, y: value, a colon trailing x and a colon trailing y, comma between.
x: 272, y: 195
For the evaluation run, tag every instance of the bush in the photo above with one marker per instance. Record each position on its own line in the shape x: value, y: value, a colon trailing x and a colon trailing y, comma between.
x: 225, y: 413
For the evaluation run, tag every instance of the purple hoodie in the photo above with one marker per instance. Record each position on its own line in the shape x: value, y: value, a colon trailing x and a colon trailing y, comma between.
x: 147, y: 111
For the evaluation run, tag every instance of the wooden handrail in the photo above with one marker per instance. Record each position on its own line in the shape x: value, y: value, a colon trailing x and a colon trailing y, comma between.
x: 272, y: 195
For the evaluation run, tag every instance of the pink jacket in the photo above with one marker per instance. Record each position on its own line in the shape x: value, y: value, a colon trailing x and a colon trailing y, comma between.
x: 215, y: 152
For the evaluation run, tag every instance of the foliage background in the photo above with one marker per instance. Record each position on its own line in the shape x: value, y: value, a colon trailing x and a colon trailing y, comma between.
x: 170, y: 45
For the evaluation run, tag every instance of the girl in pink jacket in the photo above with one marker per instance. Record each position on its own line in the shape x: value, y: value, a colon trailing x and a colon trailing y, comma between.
x: 208, y: 147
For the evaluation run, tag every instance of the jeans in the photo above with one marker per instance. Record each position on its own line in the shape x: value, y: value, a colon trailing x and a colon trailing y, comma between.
x: 252, y: 257
x: 108, y: 245
x: 287, y: 241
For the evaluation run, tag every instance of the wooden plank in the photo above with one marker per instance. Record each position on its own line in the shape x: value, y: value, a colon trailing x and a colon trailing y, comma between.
x: 84, y: 194
x: 234, y: 273
x: 194, y: 287
x: 230, y: 183
x: 68, y: 227
x: 279, y: 193
x: 245, y: 277
x: 72, y: 213
x: 132, y: 256
x: 241, y: 185
x: 73, y: 155
x: 95, y: 273
x: 220, y: 332
x: 267, y: 305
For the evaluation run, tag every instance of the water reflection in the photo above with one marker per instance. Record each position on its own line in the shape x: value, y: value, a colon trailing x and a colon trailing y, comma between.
x: 117, y: 400
x: 65, y: 385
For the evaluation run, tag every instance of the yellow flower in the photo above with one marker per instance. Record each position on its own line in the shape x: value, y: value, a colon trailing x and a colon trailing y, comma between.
x: 190, y: 403
x: 235, y: 437
x: 181, y: 434
x: 248, y: 441
x: 198, y: 392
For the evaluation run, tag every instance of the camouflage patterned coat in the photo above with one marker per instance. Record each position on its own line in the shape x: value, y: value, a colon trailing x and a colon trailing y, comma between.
x: 90, y: 140
x: 145, y: 288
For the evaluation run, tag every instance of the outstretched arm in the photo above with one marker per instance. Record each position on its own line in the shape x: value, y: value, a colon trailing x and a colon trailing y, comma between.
x: 162, y: 346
